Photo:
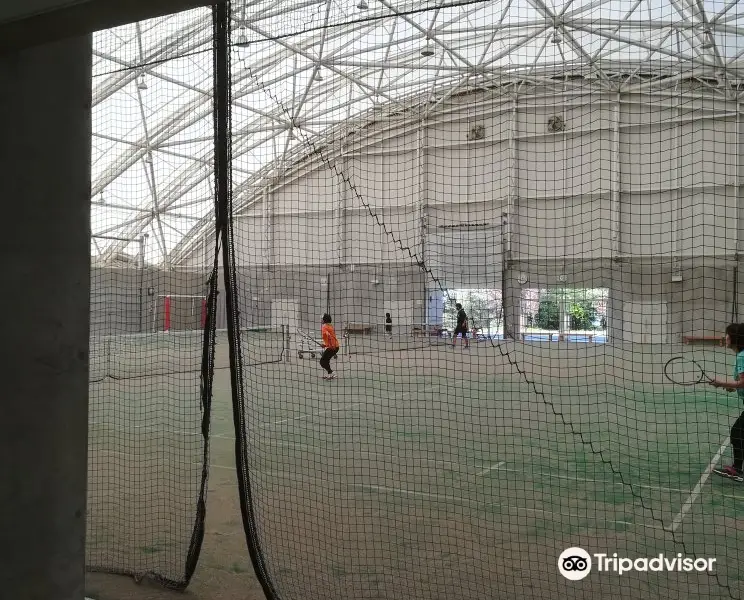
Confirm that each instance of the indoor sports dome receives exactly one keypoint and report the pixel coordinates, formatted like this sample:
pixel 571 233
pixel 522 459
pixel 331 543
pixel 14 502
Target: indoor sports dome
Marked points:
pixel 418 299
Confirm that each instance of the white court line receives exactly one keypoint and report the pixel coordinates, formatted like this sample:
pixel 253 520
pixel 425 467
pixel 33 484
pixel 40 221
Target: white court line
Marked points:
pixel 369 453
pixel 498 466
pixel 491 468
pixel 644 525
pixel 315 414
pixel 222 436
pixel 397 459
pixel 572 478
pixel 732 497
pixel 380 488
pixel 430 460
pixel 421 391
pixel 698 487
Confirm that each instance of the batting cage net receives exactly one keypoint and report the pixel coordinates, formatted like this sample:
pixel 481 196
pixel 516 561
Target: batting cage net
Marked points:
pixel 477 311
pixel 153 320
pixel 492 266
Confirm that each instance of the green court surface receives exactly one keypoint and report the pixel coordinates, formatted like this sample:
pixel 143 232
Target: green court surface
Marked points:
pixel 448 471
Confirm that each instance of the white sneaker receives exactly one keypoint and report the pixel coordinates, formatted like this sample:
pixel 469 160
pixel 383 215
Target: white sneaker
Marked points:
pixel 332 376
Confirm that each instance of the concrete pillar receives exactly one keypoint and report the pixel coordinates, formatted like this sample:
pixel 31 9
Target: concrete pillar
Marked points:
pixel 45 257
pixel 512 297
pixel 563 317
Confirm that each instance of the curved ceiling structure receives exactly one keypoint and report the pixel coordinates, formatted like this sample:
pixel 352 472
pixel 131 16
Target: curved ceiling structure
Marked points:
pixel 301 70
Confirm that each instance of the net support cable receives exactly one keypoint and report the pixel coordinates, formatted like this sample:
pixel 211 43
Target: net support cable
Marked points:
pixel 223 188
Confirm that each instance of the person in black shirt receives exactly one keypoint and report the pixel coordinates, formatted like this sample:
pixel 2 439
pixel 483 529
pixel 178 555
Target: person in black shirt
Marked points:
pixel 388 324
pixel 462 327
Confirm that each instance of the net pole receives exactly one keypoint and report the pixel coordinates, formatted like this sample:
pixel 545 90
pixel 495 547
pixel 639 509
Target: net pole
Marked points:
pixel 504 274
pixel 735 296
pixel 285 342
pixel 142 283
pixel 203 312
pixel 328 293
pixel 155 313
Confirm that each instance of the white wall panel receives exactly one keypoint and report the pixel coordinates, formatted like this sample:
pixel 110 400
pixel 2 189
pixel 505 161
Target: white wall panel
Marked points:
pixel 368 242
pixel 397 139
pixel 550 167
pixel 533 119
pixel 305 239
pixel 250 240
pixel 541 167
pixel 676 188
pixel 707 152
pixel 380 136
pixel 647 111
pixel 647 158
pixel 447 133
pixel 367 181
pixel 646 223
pixel 453 128
pixel 645 322
pixel 402 181
pixel 570 227
pixel 701 223
pixel 489 172
pixel 465 257
pixel 313 191
pixel 462 256
pixel 482 212
pixel 449 176
pixel 707 223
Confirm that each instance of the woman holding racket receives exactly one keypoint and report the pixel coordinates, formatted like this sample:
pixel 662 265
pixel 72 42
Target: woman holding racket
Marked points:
pixel 331 345
pixel 735 341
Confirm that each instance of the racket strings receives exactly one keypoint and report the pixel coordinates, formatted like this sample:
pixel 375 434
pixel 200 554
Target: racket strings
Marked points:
pixel 684 371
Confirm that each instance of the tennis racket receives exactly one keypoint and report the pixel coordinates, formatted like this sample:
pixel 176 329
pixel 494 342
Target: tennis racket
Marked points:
pixel 685 371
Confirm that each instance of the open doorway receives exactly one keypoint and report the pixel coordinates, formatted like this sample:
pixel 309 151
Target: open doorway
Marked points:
pixel 484 308
pixel 564 314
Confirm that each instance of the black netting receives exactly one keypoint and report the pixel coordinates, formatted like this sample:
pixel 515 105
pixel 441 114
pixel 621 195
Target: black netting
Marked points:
pixel 153 323
pixel 514 218
pixel 577 212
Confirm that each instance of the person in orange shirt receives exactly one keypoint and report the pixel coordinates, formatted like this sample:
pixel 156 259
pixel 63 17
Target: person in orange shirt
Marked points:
pixel 331 345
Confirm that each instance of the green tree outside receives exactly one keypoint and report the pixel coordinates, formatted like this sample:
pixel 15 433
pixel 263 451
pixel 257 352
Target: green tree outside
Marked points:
pixel 580 307
pixel 547 316
pixel 483 308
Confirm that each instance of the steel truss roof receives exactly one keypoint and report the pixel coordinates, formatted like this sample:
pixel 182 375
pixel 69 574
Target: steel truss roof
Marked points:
pixel 302 70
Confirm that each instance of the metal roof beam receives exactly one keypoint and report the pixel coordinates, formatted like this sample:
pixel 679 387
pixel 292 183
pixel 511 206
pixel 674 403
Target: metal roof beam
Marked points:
pixel 25 24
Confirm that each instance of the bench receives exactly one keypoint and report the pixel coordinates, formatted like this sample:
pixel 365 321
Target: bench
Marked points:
pixel 358 328
pixel 717 339
pixel 561 337
pixel 424 330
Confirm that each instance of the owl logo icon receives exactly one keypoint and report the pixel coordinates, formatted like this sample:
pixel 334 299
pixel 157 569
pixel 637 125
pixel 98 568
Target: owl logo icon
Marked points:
pixel 575 563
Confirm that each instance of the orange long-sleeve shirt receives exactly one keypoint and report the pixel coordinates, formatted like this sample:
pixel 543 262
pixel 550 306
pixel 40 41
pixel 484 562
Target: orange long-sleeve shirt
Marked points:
pixel 329 336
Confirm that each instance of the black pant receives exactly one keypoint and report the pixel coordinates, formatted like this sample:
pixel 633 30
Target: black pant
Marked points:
pixel 737 441
pixel 325 358
pixel 460 329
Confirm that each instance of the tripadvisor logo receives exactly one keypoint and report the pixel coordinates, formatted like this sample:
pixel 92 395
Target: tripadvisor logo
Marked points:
pixel 576 563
